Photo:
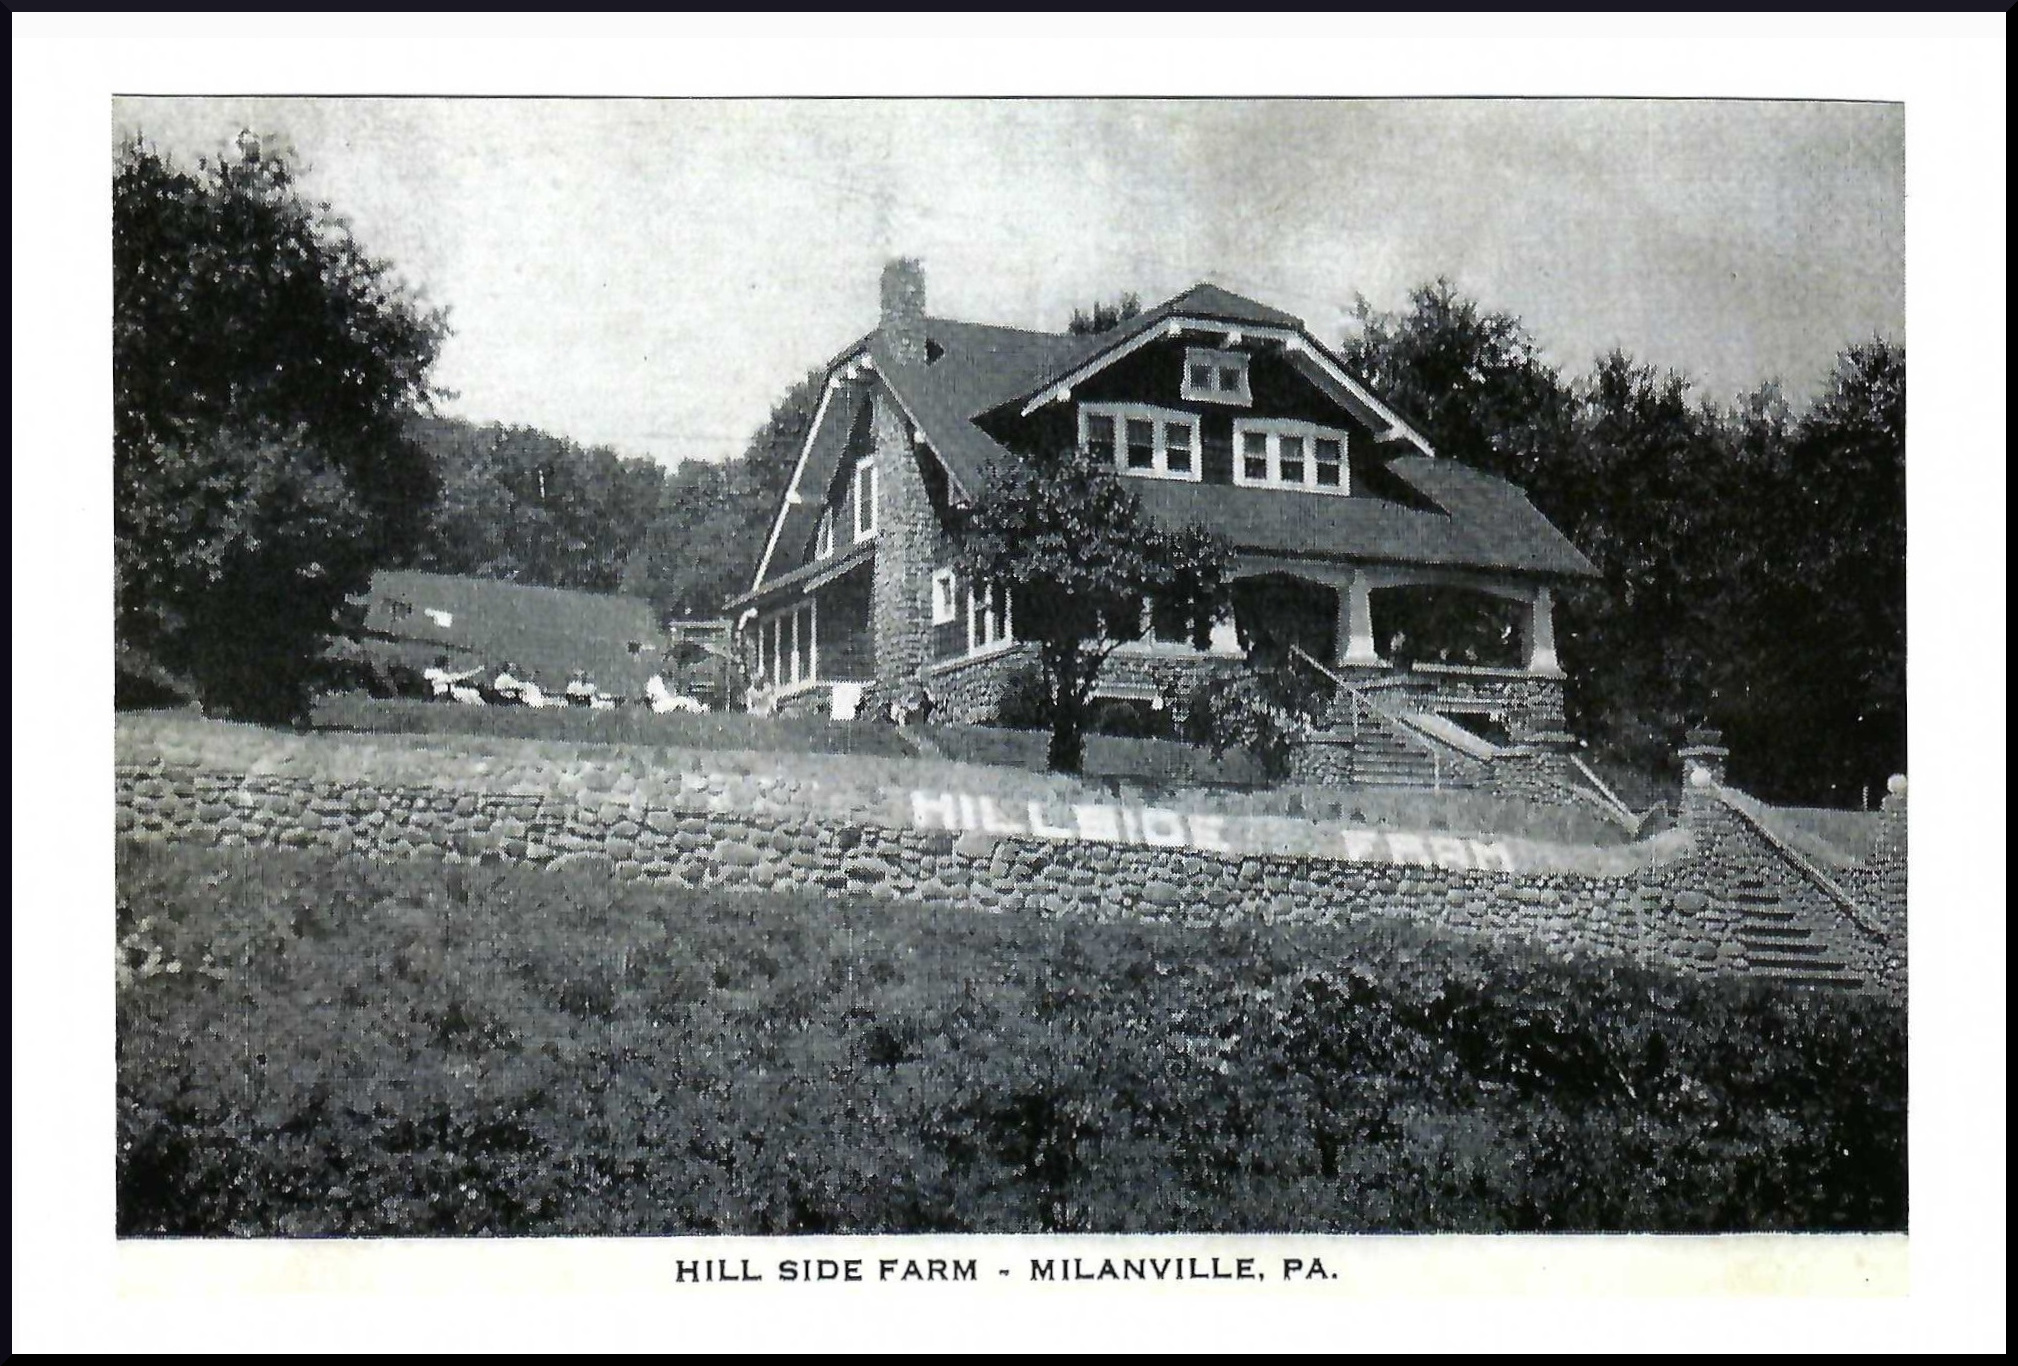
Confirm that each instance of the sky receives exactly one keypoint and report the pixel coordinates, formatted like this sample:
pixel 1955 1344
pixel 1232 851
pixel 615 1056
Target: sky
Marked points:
pixel 653 274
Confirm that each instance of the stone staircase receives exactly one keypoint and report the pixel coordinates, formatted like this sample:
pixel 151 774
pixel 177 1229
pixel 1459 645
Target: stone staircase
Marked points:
pixel 1778 946
pixel 1381 758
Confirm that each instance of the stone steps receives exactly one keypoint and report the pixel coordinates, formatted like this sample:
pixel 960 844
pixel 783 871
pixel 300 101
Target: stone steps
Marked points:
pixel 1777 932
pixel 1380 759
pixel 1778 947
pixel 1814 976
pixel 1797 962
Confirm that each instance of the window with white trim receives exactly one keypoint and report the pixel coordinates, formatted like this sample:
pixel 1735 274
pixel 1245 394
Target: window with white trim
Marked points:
pixel 823 539
pixel 944 607
pixel 1154 443
pixel 1277 453
pixel 988 619
pixel 1215 377
pixel 865 499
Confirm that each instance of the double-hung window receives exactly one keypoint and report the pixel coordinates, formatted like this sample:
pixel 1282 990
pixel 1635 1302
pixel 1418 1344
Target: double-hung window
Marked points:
pixel 1153 443
pixel 988 619
pixel 945 609
pixel 1285 454
pixel 865 499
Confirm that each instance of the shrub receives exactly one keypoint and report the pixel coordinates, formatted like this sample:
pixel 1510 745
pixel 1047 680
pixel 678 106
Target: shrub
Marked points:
pixel 1024 702
pixel 311 1044
pixel 1261 710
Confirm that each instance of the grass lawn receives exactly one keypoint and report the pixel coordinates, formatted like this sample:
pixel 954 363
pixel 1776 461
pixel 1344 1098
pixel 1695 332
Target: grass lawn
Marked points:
pixel 311 1044
pixel 624 726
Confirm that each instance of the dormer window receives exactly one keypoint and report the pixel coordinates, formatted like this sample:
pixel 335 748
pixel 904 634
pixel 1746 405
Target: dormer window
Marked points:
pixel 1153 443
pixel 1300 455
pixel 1215 377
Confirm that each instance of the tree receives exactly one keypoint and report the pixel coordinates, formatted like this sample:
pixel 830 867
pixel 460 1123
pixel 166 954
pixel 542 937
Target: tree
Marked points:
pixel 522 505
pixel 1827 617
pixel 1104 317
pixel 1751 559
pixel 1078 559
pixel 1646 490
pixel 264 367
pixel 713 520
pixel 1470 379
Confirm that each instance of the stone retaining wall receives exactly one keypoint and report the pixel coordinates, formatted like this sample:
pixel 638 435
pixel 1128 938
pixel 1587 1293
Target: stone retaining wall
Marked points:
pixel 696 832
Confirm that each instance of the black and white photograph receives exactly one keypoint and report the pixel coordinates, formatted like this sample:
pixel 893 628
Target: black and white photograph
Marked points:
pixel 793 673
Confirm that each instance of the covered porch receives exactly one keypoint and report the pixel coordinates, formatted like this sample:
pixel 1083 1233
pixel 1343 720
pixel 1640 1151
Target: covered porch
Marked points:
pixel 1330 611
pixel 805 642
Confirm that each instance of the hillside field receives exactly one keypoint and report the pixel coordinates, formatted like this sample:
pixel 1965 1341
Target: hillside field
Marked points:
pixel 548 632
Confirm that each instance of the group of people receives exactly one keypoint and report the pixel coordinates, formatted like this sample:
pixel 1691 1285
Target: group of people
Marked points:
pixel 515 687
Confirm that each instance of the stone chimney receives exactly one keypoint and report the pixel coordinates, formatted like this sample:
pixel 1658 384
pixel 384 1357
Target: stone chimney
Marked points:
pixel 904 309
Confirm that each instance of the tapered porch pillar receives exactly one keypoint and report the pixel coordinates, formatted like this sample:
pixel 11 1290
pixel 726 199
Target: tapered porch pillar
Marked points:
pixel 1353 635
pixel 1538 635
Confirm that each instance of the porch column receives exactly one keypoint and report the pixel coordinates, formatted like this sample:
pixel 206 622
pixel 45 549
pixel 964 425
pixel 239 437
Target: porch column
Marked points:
pixel 1353 635
pixel 1538 635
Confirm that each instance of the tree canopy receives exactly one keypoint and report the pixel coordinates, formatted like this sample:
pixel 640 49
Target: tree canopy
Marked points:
pixel 264 368
pixel 1751 558
pixel 713 520
pixel 1104 317
pixel 1079 558
pixel 525 506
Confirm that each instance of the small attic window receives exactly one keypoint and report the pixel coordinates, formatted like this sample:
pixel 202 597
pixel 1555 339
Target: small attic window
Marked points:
pixel 1216 376
pixel 933 351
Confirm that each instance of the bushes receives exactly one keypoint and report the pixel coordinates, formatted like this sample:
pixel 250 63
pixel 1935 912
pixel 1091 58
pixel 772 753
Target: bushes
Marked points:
pixel 1024 702
pixel 1259 710
pixel 376 1049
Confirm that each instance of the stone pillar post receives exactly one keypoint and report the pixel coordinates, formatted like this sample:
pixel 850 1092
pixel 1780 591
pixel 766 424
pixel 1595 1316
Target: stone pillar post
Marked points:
pixel 1538 634
pixel 1704 750
pixel 1703 759
pixel 1891 837
pixel 1353 635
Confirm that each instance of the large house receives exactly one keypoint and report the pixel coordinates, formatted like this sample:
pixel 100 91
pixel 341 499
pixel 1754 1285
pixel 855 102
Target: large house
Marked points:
pixel 1222 412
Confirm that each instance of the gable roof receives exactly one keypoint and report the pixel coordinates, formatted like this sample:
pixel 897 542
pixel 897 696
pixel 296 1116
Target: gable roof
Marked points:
pixel 1482 522
pixel 978 368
